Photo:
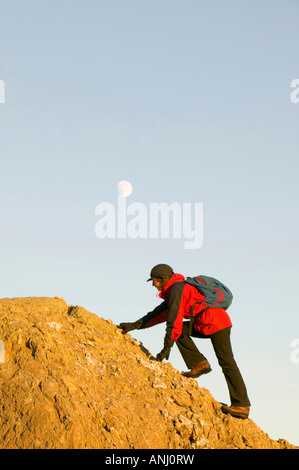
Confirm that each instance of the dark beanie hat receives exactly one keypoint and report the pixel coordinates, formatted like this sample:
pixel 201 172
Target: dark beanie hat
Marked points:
pixel 161 271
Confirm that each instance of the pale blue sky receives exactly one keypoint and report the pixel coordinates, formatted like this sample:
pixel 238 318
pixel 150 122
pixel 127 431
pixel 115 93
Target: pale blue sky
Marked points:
pixel 190 102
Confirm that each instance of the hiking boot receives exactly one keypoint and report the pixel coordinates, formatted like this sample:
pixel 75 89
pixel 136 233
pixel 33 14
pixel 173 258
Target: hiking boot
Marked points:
pixel 236 411
pixel 198 370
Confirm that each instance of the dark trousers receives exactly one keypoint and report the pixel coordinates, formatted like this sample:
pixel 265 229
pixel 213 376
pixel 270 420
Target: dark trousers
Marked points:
pixel 223 350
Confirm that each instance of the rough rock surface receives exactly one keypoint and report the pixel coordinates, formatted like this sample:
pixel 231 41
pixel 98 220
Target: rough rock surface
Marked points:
pixel 72 380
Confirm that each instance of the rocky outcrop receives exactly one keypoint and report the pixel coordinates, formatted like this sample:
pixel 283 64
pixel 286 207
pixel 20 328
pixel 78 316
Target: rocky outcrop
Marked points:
pixel 72 380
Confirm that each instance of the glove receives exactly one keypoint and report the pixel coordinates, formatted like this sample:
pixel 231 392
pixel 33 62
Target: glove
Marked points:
pixel 164 354
pixel 126 327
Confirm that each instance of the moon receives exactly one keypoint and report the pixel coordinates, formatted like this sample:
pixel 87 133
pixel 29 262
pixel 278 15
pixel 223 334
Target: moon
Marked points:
pixel 124 188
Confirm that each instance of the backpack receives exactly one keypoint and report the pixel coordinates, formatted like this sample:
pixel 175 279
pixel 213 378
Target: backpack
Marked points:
pixel 214 291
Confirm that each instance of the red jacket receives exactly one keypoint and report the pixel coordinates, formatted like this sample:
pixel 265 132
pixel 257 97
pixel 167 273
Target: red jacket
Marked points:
pixel 178 298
